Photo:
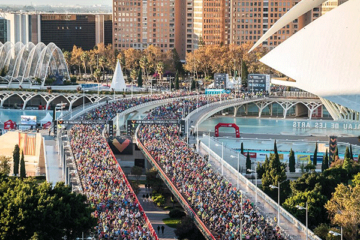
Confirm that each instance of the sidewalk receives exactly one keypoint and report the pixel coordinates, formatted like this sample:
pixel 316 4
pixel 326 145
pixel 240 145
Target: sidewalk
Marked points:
pixel 54 170
pixel 155 215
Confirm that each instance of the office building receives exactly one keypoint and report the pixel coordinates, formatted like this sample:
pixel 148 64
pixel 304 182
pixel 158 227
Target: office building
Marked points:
pixel 4 30
pixel 65 30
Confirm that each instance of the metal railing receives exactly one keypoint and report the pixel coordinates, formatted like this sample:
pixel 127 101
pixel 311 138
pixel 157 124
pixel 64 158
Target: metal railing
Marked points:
pixel 45 159
pixel 262 195
pixel 201 226
pixel 293 94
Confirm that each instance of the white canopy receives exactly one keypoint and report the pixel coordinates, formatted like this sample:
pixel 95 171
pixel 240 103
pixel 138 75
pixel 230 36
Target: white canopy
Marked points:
pixel 47 118
pixel 118 82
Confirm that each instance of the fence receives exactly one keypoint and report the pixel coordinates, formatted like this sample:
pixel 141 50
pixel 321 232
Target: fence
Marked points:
pixel 207 234
pixel 262 195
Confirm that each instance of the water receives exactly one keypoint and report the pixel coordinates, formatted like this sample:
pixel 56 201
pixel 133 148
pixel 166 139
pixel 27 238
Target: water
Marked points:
pixel 15 114
pixel 284 126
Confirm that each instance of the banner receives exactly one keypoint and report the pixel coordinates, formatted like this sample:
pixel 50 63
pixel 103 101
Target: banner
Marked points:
pixel 121 145
pixel 28 120
pixel 30 147
pixel 9 124
pixel 332 147
pixel 251 154
pixel 46 125
pixel 303 158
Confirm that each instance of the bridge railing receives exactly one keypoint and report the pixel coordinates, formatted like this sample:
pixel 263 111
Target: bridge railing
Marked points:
pixel 293 94
pixel 263 195
pixel 201 226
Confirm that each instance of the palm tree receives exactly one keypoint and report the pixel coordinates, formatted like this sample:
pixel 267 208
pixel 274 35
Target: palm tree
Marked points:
pixel 85 59
pixel 102 64
pixel 67 56
pixel 160 69
pixel 144 66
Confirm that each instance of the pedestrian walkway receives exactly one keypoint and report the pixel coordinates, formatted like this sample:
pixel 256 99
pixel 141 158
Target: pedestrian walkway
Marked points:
pixel 155 215
pixel 54 170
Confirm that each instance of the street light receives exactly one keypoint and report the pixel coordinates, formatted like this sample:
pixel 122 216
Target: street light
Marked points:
pixel 254 171
pixel 84 98
pixel 306 209
pixel 278 187
pixel 337 234
pixel 238 169
pixel 222 157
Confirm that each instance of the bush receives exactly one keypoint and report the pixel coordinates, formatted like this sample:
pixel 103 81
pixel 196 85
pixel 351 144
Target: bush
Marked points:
pixel 67 83
pixel 73 79
pixel 177 213
pixel 159 199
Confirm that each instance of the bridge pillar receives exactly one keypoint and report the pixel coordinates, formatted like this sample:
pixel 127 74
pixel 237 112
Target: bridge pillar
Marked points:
pixel 25 102
pixel 271 109
pixel 286 106
pixel 312 106
pixel 261 106
pixel 236 109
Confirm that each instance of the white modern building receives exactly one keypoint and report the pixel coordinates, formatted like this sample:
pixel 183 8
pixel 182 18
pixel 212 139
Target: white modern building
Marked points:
pixel 323 57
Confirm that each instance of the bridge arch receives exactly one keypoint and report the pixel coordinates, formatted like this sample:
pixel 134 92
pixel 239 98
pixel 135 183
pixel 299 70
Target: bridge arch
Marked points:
pixel 233 125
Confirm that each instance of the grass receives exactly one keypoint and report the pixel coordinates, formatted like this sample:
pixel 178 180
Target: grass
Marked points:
pixel 171 222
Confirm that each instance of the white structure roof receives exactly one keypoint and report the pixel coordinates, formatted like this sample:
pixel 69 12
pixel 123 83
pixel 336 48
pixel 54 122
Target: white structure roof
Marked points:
pixel 118 82
pixel 323 57
pixel 47 118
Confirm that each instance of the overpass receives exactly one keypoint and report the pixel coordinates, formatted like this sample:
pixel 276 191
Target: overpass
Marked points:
pixel 289 224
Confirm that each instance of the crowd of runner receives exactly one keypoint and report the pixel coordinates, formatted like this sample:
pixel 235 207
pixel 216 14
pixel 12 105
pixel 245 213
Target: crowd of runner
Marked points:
pixel 220 206
pixel 115 205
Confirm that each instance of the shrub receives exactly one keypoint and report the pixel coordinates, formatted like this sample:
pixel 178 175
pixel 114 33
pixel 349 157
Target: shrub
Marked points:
pixel 159 199
pixel 73 79
pixel 177 213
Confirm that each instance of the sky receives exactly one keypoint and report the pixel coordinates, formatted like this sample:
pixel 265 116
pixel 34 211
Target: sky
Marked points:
pixel 56 2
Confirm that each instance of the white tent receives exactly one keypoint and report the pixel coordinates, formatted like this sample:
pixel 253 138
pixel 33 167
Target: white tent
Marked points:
pixel 47 118
pixel 118 82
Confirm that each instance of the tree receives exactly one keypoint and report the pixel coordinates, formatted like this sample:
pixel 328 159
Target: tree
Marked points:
pixel 16 159
pixel 356 180
pixel 5 165
pixel 160 69
pixel 22 166
pixel 316 201
pixel 248 162
pixel 351 153
pixel 176 61
pixel 315 155
pixel 144 66
pixel 292 161
pixel 347 153
pixel 133 75
pixel 177 80
pixel 188 230
pixel 192 84
pixel 242 148
pixel 85 59
pixel 260 169
pixel 274 174
pixel 344 210
pixel 326 163
pixel 154 182
pixel 137 171
pixel 275 150
pixel 42 211
pixel 244 73
pixel 139 79
pixel 76 57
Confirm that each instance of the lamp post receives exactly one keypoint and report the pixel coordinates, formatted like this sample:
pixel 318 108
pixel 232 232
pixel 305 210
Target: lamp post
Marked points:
pixel 222 157
pixel 209 144
pixel 84 99
pixel 278 187
pixel 97 67
pixel 238 168
pixel 337 234
pixel 306 208
pixel 254 171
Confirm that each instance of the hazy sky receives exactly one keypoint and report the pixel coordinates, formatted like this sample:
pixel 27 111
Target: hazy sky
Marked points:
pixel 57 2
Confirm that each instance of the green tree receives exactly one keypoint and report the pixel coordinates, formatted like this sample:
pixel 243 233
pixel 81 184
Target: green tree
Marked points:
pixel 16 159
pixel 322 230
pixel 347 166
pixel 315 155
pixel 5 165
pixel 137 171
pixel 22 166
pixel 260 170
pixel 139 79
pixel 292 161
pixel 351 153
pixel 152 179
pixel 244 74
pixel 177 80
pixel 242 148
pixel 248 162
pixel 176 61
pixel 276 151
pixel 347 153
pixel 316 201
pixel 275 173
pixel 188 230
pixel 39 211
pixel 192 84
pixel 356 180
pixel 326 163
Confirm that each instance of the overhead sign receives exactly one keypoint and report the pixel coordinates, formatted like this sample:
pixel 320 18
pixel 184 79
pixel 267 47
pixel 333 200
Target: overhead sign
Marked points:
pixel 258 82
pixel 80 122
pixel 132 124
pixel 121 145
pixel 220 80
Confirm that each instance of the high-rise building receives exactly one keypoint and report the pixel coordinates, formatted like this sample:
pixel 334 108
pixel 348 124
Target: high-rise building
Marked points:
pixel 139 23
pixel 4 30
pixel 65 30
pixel 330 5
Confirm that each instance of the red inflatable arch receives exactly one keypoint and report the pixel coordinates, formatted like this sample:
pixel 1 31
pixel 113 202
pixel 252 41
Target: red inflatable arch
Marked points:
pixel 219 125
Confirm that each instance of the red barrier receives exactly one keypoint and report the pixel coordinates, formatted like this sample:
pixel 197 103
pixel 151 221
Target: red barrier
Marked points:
pixel 153 232
pixel 177 192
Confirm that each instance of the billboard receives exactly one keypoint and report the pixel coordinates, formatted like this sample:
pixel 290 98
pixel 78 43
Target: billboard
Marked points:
pixel 258 82
pixel 303 157
pixel 28 120
pixel 220 80
pixel 121 145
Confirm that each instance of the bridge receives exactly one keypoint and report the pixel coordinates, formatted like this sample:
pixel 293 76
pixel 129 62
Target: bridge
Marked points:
pixel 294 228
